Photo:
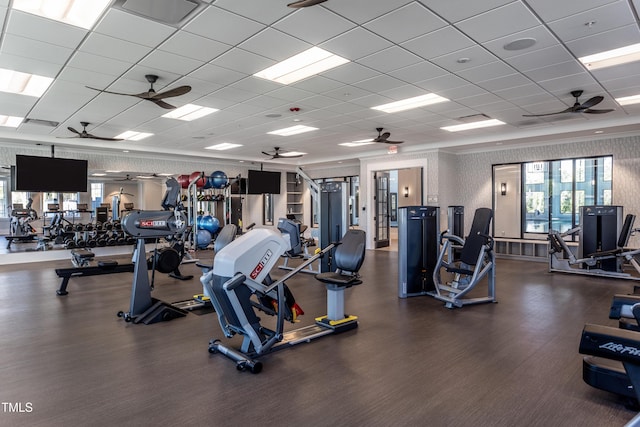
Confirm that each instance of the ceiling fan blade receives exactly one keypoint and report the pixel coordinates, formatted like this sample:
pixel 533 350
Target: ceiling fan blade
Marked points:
pixel 161 103
pixel 139 95
pixel 73 130
pixel 590 111
pixel 181 90
pixel 393 142
pixel 568 110
pixel 102 138
pixel 591 102
pixel 305 3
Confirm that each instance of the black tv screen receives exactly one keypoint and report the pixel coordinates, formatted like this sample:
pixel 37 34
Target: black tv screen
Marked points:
pixel 239 186
pixel 50 174
pixel 263 182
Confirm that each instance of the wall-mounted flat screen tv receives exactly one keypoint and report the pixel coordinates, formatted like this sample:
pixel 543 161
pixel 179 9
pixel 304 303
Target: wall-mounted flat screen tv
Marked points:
pixel 49 174
pixel 263 182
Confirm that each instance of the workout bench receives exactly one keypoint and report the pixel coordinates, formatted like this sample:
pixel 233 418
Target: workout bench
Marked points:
pixel 81 258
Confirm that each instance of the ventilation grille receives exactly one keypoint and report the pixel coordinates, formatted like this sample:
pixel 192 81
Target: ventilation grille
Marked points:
pixel 49 123
pixel 172 12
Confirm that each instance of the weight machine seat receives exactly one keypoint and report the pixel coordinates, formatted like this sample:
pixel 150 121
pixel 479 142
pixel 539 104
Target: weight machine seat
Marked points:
pixel 348 259
pixel 469 256
pixel 82 254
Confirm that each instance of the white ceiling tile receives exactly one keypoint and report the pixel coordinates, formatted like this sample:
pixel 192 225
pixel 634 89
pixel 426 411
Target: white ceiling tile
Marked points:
pixel 617 72
pixel 551 10
pixel 289 93
pixel 226 27
pixel 485 72
pixel 355 44
pixel 217 75
pixel 84 77
pixel 233 94
pixel 361 11
pixel 113 48
pixel 415 20
pixel 90 62
pixel 441 83
pixel 401 92
pixel 317 84
pixel 504 82
pixel 127 26
pixel 544 38
pixel 274 45
pixel 499 22
pixel 29 65
pixel 548 56
pixel 418 72
pixel 317 101
pixel 46 30
pixel 242 61
pixel 516 94
pixel 256 85
pixel 29 48
pixel 604 18
pixel 261 11
pixel 170 62
pixel 458 92
pixel 314 25
pixel 350 73
pixel 453 11
pixel 516 98
pixel 438 43
pixel 390 59
pixel 371 100
pixel 622 36
pixel 624 85
pixel 12 104
pixel 194 46
pixel 476 55
pixel 555 71
pixel 568 83
pixel 379 84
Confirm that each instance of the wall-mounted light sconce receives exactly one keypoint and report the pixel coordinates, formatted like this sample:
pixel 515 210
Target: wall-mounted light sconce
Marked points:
pixel 406 192
pixel 503 188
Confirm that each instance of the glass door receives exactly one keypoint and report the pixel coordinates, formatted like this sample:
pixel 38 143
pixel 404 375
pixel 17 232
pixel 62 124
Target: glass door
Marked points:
pixel 382 209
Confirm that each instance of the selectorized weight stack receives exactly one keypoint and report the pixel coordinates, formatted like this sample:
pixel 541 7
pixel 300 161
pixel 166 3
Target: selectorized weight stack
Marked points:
pixel 334 217
pixel 599 230
pixel 418 249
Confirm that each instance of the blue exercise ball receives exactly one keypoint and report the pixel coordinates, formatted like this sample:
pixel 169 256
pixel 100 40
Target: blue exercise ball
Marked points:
pixel 203 239
pixel 209 223
pixel 218 179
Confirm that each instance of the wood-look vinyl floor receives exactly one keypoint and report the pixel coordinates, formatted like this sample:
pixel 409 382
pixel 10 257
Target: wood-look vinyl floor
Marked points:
pixel 411 362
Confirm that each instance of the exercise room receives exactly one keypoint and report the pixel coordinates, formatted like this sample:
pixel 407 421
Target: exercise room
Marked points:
pixel 320 212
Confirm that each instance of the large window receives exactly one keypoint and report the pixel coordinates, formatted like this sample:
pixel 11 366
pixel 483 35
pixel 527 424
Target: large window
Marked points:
pixel 4 198
pixel 554 191
pixel 97 194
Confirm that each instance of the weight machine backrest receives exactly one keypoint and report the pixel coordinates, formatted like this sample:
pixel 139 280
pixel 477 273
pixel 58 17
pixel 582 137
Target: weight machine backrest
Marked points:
pixel 627 228
pixel 481 221
pixel 349 255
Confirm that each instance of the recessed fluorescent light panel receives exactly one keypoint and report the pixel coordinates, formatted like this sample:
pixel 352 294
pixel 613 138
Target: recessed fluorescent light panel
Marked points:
pixel 10 121
pixel 628 100
pixel 189 112
pixel 292 154
pixel 98 174
pixel 293 130
pixel 409 103
pixel 23 83
pixel 80 13
pixel 357 143
pixel 609 58
pixel 305 64
pixel 223 146
pixel 133 135
pixel 473 125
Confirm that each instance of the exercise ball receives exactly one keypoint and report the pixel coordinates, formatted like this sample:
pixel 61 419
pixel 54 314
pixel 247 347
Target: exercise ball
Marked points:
pixel 203 239
pixel 218 179
pixel 209 223
pixel 200 182
pixel 183 180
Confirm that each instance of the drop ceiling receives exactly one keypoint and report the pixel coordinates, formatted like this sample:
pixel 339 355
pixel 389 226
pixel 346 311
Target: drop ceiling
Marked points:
pixel 396 48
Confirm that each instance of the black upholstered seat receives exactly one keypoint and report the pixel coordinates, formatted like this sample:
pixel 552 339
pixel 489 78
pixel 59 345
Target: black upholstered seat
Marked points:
pixel 347 259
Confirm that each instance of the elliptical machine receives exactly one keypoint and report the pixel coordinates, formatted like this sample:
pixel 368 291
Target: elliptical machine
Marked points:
pixel 154 225
pixel 20 220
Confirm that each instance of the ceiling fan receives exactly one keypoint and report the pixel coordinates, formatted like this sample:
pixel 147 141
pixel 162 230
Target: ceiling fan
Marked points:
pixel 152 95
pixel 577 107
pixel 384 137
pixel 280 154
pixel 125 179
pixel 305 3
pixel 85 134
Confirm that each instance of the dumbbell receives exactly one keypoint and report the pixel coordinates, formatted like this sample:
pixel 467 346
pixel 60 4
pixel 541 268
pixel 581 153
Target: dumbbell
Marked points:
pixel 68 228
pixel 117 225
pixel 101 241
pixel 107 226
pixel 69 244
pixel 78 227
pixel 92 243
pixel 88 227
